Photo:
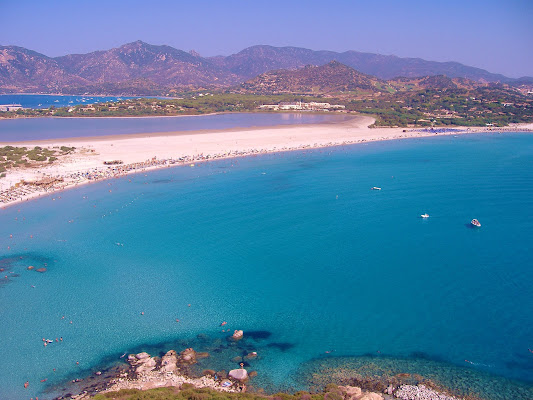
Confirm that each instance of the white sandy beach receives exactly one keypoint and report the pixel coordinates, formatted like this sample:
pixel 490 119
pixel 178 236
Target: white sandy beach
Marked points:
pixel 190 147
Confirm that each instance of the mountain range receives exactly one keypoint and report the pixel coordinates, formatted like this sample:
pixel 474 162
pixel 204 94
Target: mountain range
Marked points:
pixel 144 69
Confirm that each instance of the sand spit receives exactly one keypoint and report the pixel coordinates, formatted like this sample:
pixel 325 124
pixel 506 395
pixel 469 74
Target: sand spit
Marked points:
pixel 143 152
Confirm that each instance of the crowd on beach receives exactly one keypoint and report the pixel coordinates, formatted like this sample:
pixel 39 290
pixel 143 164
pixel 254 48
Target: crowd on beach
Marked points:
pixel 27 190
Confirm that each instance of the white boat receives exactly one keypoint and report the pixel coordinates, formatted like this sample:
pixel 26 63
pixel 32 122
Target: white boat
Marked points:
pixel 376 188
pixel 424 216
pixel 475 223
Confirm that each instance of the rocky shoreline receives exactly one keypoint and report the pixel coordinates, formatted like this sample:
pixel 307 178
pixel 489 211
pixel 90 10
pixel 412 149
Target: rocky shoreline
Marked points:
pixel 146 372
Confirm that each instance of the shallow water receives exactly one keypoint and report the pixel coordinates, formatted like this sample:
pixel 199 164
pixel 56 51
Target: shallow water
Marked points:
pixel 294 244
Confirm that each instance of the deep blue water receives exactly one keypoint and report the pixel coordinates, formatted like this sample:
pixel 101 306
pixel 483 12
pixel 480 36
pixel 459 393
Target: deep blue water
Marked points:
pixel 47 100
pixel 294 245
pixel 13 130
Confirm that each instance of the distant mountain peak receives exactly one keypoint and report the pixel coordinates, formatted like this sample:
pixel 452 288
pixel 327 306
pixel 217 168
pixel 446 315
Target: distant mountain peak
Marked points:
pixel 162 66
pixel 332 77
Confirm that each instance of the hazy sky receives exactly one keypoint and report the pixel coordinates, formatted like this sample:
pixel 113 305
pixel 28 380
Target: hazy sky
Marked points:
pixel 496 35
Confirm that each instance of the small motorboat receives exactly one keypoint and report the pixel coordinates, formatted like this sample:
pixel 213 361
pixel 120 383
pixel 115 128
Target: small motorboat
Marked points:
pixel 424 216
pixel 475 223
pixel 376 188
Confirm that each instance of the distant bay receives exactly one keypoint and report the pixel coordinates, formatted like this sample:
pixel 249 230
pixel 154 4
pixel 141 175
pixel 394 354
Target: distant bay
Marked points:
pixel 15 130
pixel 47 100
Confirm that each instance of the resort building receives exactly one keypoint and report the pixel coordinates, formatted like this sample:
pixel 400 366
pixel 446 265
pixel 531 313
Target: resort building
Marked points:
pixel 298 105
pixel 10 107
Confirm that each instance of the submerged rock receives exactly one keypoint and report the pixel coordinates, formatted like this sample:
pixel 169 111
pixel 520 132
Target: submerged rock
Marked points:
pixel 41 270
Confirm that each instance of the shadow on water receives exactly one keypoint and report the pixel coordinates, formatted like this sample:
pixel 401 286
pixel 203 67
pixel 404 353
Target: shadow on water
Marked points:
pixel 258 335
pixel 281 346
pixel 470 226
pixel 162 181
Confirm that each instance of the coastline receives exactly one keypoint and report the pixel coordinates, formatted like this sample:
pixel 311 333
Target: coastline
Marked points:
pixel 177 116
pixel 174 369
pixel 149 151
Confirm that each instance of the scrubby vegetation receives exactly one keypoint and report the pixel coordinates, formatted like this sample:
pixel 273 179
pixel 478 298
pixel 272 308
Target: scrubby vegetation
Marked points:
pixel 189 393
pixel 477 107
pixel 401 104
pixel 12 157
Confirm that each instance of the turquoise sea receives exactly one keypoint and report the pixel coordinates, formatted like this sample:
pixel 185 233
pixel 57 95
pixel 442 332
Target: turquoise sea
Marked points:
pixel 295 249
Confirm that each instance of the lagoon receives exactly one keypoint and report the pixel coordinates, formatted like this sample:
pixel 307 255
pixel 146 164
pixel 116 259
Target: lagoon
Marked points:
pixel 23 129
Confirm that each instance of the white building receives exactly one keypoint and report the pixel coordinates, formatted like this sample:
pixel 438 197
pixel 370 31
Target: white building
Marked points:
pixel 10 107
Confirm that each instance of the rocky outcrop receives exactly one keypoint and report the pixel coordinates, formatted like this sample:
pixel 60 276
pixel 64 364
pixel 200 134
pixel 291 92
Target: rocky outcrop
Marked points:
pixel 169 362
pixel 142 363
pixel 237 335
pixel 371 396
pixel 355 393
pixel 187 357
pixel 420 392
pixel 238 374
pixel 351 392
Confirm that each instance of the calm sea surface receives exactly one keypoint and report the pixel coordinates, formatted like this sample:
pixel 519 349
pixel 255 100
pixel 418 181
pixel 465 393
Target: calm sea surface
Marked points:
pixel 47 100
pixel 52 128
pixel 296 250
